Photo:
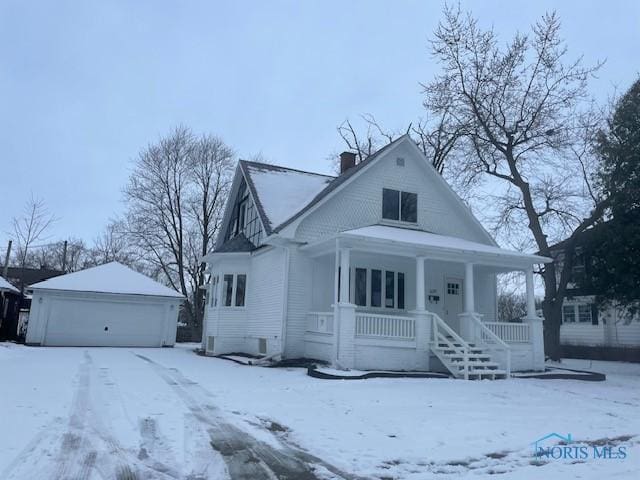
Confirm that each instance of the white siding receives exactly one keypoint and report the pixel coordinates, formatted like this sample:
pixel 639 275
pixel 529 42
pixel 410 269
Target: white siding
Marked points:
pixel 265 296
pixel 613 329
pixel 299 301
pixel 582 334
pixel 359 203
pixel 228 324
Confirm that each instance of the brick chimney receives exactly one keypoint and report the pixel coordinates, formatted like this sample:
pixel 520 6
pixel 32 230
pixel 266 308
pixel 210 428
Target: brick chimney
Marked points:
pixel 347 161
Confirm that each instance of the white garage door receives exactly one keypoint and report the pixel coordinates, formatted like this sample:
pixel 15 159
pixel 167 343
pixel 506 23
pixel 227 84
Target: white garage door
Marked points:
pixel 76 322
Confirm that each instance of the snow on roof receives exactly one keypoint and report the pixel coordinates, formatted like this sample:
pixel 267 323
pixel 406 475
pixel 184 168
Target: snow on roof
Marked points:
pixel 436 241
pixel 282 192
pixel 108 278
pixel 7 287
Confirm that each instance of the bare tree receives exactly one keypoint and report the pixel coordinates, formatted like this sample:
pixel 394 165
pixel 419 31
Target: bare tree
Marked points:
pixel 112 245
pixel 527 121
pixel 30 228
pixel 436 138
pixel 210 175
pixel 174 202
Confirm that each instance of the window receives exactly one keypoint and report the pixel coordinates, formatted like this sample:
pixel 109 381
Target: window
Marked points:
pixel 584 313
pixel 241 283
pixel 228 289
pixel 389 290
pixel 568 314
pixel 214 291
pixel 389 282
pixel 390 204
pixel 453 288
pixel 376 288
pixel 409 207
pixel 578 312
pixel 361 287
pixel 401 291
pixel 397 205
pixel 234 289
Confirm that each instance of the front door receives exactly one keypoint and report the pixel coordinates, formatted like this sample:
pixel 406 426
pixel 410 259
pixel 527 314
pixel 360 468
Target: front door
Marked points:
pixel 453 302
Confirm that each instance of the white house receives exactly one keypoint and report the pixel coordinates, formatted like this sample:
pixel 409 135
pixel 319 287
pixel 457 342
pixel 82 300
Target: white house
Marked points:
pixel 381 267
pixel 108 305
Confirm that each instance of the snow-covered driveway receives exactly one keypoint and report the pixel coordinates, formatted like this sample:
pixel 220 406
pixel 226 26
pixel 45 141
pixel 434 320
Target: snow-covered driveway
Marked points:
pixel 167 413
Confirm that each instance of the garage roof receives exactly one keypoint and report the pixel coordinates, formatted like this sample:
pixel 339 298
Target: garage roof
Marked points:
pixel 108 278
pixel 7 287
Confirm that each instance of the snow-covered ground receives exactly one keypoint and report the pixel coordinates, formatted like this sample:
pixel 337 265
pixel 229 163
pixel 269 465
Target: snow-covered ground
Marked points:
pixel 155 413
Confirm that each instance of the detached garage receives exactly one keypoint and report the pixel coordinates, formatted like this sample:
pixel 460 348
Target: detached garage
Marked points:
pixel 110 305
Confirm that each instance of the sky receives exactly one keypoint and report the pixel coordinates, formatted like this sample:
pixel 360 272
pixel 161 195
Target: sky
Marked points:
pixel 86 85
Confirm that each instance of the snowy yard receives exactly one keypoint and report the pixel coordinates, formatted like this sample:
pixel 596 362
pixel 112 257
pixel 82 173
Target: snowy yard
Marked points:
pixel 155 413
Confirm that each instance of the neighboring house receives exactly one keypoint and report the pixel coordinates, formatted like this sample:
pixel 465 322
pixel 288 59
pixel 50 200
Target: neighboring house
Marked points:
pixel 381 267
pixel 13 327
pixel 588 331
pixel 28 276
pixel 9 308
pixel 108 305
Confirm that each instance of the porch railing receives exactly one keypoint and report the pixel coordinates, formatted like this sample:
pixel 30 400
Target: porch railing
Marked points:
pixel 320 322
pixel 508 332
pixel 490 341
pixel 390 326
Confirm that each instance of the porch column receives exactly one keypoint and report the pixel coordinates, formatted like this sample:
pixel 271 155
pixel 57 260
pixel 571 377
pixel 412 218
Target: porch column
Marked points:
pixel 466 320
pixel 469 302
pixel 420 302
pixel 344 275
pixel 531 299
pixel 422 319
pixel 345 319
pixel 536 334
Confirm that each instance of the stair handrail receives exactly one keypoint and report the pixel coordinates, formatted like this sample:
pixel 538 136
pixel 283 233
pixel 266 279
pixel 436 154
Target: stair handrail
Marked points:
pixel 477 319
pixel 464 346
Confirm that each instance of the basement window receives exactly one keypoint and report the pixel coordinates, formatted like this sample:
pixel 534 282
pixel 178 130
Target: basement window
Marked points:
pixel 399 206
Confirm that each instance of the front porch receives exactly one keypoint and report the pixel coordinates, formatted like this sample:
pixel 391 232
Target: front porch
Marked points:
pixel 410 305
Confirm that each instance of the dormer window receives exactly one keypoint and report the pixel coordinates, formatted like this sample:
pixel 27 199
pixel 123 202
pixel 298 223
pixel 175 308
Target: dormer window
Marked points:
pixel 399 206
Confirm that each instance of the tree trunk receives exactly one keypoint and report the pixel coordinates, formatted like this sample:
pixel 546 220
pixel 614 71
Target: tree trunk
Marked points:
pixel 552 310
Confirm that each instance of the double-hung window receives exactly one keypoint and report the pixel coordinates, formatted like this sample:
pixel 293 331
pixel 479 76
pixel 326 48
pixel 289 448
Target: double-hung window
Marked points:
pixel 234 287
pixel 568 314
pixel 378 288
pixel 579 313
pixel 399 206
pixel 213 291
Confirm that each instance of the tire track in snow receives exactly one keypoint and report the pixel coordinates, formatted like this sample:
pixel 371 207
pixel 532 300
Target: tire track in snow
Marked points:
pixel 67 450
pixel 247 458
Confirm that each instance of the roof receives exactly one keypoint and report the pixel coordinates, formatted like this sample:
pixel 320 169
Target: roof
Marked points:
pixel 7 287
pixel 29 275
pixel 108 278
pixel 281 192
pixel 336 182
pixel 239 243
pixel 419 242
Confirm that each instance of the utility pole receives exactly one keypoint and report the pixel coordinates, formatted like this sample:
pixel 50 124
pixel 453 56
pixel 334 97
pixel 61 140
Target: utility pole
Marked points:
pixel 6 260
pixel 64 257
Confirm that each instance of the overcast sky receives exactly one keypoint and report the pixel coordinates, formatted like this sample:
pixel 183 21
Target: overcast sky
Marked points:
pixel 86 85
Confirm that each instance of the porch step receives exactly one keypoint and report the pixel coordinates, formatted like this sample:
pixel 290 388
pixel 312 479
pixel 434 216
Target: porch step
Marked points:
pixel 479 364
pixel 450 351
pixel 487 374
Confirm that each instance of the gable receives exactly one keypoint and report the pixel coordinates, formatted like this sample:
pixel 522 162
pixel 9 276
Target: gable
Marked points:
pixel 242 216
pixel 358 202
pixel 281 192
pixel 264 196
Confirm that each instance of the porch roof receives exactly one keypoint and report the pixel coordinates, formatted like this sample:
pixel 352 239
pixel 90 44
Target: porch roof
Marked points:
pixel 409 242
